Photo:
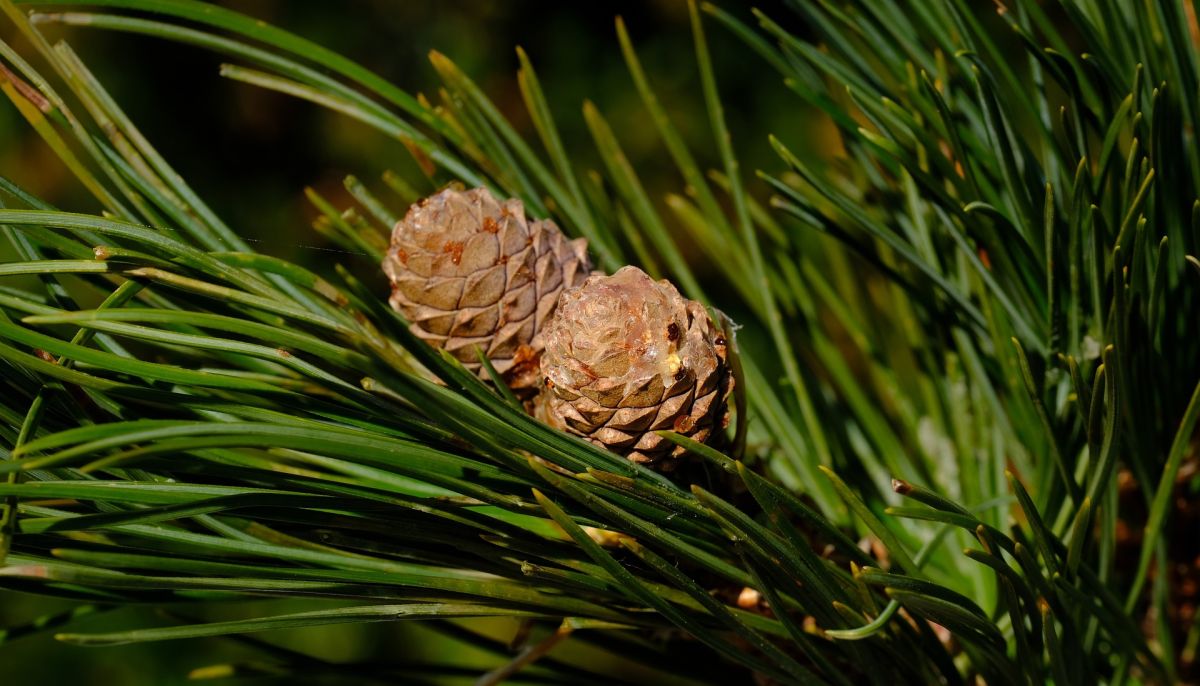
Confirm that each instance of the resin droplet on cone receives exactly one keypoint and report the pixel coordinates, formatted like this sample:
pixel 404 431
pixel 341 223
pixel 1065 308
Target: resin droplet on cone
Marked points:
pixel 470 270
pixel 626 356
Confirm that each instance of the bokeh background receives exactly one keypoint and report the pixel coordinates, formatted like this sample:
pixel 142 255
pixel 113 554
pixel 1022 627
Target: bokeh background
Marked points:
pixel 250 153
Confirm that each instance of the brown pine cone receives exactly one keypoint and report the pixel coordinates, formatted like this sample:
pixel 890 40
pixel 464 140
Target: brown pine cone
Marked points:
pixel 626 356
pixel 469 270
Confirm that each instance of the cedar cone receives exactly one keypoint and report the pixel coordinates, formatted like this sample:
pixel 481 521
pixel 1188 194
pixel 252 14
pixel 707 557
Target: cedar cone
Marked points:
pixel 469 270
pixel 626 356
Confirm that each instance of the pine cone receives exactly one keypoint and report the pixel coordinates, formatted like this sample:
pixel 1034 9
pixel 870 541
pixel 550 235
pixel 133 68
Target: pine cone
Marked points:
pixel 469 270
pixel 626 356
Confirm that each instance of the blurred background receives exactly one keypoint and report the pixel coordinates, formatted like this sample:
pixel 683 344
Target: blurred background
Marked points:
pixel 250 153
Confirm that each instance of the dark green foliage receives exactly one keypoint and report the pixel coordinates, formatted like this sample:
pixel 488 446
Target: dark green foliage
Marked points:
pixel 987 292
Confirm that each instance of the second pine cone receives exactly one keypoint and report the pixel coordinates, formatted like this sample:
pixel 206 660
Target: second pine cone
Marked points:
pixel 625 356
